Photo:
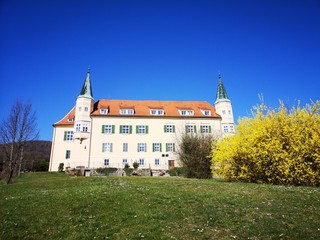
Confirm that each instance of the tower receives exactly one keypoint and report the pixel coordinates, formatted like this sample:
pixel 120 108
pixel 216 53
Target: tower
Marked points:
pixel 224 108
pixel 84 107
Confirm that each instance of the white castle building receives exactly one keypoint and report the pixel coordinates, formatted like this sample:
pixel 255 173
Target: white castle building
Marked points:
pixel 112 133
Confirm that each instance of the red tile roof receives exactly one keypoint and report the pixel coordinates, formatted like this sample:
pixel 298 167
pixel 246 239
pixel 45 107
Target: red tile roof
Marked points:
pixel 142 109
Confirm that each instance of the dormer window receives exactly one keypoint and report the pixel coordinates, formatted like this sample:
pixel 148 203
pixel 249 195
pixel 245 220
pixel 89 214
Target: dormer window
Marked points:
pixel 186 112
pixel 70 120
pixel 126 111
pixel 104 111
pixel 156 111
pixel 206 112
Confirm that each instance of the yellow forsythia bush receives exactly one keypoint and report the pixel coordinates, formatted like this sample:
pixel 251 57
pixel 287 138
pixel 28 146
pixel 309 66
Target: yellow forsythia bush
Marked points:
pixel 277 146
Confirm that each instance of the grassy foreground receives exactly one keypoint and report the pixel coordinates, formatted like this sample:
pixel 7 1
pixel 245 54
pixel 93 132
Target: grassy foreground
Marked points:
pixel 55 206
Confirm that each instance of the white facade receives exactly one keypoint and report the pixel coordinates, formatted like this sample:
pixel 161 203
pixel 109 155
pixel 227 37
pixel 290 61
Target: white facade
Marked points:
pixel 111 133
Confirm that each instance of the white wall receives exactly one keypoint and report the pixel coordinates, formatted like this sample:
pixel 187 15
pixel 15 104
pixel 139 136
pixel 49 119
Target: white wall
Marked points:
pixel 80 152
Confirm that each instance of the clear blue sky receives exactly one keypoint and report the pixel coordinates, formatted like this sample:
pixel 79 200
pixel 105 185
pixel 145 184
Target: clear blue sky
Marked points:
pixel 161 50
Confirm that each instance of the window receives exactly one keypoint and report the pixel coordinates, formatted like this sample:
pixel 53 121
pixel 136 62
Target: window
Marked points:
pixel 206 112
pixel 141 129
pixel 68 153
pixel 156 147
pixel 231 128
pixel 85 127
pixel 78 127
pixel 229 111
pixel 125 147
pixel 225 128
pixel 223 111
pixel 125 111
pixel 142 147
pixel 205 129
pixel 70 120
pixel 86 109
pixel 68 136
pixel 125 129
pixel 107 129
pixel 169 128
pixel 157 162
pixel 191 129
pixel 106 162
pixel 79 109
pixel 106 147
pixel 82 127
pixel 104 111
pixel 124 161
pixel 186 112
pixel 141 162
pixel 156 111
pixel 170 147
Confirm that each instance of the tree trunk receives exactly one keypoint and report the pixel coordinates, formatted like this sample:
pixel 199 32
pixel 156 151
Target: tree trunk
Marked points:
pixel 11 173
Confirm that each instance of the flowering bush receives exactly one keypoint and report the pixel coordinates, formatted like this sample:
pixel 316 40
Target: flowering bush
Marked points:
pixel 277 146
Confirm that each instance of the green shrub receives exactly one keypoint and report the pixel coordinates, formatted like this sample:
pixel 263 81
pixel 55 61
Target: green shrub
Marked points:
pixel 175 171
pixel 128 171
pixel 106 171
pixel 60 168
pixel 277 146
pixel 42 166
pixel 194 155
pixel 135 165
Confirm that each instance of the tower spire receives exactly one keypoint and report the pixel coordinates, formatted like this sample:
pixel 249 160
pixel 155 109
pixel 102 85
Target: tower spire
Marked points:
pixel 221 92
pixel 86 90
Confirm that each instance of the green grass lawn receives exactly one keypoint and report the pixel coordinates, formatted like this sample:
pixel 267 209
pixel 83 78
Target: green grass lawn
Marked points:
pixel 56 206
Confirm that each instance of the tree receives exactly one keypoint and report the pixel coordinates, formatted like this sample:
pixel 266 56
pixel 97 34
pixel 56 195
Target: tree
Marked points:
pixel 19 127
pixel 278 146
pixel 194 155
pixel 135 165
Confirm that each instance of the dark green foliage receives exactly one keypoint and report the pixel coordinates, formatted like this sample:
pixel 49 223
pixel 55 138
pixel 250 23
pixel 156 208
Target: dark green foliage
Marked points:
pixel 35 154
pixel 194 151
pixel 106 171
pixel 41 166
pixel 128 171
pixel 175 171
pixel 60 168
pixel 135 165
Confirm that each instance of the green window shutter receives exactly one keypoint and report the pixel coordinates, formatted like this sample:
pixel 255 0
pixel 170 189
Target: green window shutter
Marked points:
pixel 65 135
pixel 113 128
pixel 186 129
pixel 120 131
pixel 68 154
pixel 166 147
pixel 195 128
pixel 209 129
pixel 201 129
pixel 174 128
pixel 152 147
pixel 102 129
pixel 111 147
pixel 174 147
pixel 130 129
pixel 137 129
pixel 160 147
pixel 147 129
pixel 165 128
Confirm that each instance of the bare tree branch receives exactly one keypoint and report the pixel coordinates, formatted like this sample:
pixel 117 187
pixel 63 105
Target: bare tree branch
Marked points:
pixel 19 127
